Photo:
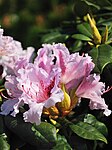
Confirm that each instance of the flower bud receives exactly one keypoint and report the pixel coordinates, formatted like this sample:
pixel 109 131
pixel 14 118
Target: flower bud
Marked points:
pixel 96 34
pixel 64 106
pixel 105 35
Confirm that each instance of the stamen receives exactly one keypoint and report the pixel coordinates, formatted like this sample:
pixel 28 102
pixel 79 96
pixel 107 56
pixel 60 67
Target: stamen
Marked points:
pixel 108 89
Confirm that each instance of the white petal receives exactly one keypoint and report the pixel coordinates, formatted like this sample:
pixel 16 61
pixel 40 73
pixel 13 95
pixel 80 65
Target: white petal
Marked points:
pixel 33 115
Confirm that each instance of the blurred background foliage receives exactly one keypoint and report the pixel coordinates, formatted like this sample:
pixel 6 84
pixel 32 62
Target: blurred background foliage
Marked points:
pixel 33 22
pixel 28 20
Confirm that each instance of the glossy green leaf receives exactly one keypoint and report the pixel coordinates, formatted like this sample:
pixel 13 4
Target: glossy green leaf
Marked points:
pixel 62 144
pixel 101 56
pixel 85 29
pixel 87 131
pixel 46 131
pixel 81 37
pixel 40 136
pixel 101 127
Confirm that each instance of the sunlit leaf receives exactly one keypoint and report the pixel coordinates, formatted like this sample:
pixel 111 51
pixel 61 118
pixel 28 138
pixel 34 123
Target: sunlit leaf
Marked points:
pixel 101 127
pixel 3 142
pixel 62 144
pixel 87 131
pixel 3 137
pixel 45 131
pixel 81 37
pixel 85 29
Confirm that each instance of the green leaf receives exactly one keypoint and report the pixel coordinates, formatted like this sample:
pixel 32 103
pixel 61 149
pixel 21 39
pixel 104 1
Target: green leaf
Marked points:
pixel 101 56
pixel 101 127
pixel 87 131
pixel 3 138
pixel 91 4
pixel 81 37
pixel 40 136
pixel 3 142
pixel 54 37
pixel 62 144
pixel 46 132
pixel 85 29
pixel 76 46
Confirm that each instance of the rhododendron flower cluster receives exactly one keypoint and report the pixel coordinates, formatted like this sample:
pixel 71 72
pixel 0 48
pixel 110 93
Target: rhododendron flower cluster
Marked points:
pixel 10 52
pixel 56 80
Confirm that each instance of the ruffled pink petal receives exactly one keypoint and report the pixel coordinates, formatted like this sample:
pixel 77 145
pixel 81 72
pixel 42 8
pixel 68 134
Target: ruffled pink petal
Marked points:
pixel 77 67
pixel 16 107
pixel 57 94
pixel 91 86
pixel 28 54
pixel 49 56
pixel 92 89
pixel 11 86
pixel 33 115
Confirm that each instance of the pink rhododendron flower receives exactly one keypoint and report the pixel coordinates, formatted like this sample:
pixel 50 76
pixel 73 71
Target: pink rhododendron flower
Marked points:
pixel 56 77
pixel 36 88
pixel 10 52
pixel 75 73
